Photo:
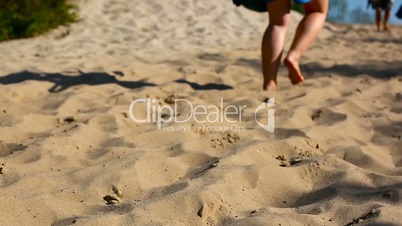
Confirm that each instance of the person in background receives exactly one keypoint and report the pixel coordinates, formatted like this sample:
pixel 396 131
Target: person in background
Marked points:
pixel 399 13
pixel 379 6
pixel 274 38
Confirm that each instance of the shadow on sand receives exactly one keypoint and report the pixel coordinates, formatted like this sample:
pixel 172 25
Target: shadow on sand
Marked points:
pixel 208 86
pixel 373 69
pixel 63 82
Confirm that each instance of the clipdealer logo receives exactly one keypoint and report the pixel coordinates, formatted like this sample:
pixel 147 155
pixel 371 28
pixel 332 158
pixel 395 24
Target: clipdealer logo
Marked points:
pixel 231 115
pixel 270 126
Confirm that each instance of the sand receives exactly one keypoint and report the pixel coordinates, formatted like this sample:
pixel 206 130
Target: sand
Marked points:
pixel 70 154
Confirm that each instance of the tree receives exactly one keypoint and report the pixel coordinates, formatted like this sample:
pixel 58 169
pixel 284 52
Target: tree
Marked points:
pixel 360 16
pixel 338 10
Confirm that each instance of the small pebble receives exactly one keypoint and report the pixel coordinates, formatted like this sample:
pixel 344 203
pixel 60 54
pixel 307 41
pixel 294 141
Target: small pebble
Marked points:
pixel 170 99
pixel 110 200
pixel 69 119
pixel 295 161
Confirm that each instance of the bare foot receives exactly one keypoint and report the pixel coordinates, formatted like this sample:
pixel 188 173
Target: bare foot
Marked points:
pixel 270 87
pixel 295 75
pixel 386 27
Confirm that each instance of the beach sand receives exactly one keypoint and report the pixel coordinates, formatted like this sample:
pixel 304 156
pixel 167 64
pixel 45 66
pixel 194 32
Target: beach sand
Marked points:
pixel 70 154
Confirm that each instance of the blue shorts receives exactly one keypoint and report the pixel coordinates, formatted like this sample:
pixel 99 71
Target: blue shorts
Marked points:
pixel 296 1
pixel 382 4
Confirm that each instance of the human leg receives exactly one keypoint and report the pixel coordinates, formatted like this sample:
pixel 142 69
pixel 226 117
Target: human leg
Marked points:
pixel 387 13
pixel 306 32
pixel 273 41
pixel 378 18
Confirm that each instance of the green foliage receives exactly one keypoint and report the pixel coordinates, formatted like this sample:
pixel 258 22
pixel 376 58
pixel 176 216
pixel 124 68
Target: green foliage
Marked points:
pixel 27 18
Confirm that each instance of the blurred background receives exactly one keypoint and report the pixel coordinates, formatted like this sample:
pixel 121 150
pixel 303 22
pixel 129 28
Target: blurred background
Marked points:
pixel 27 18
pixel 356 11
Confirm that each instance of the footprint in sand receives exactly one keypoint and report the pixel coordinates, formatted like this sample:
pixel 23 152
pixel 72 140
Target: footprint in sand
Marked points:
pixel 8 178
pixel 210 208
pixel 106 123
pixel 283 133
pixel 387 134
pixel 212 57
pixel 10 148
